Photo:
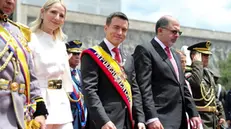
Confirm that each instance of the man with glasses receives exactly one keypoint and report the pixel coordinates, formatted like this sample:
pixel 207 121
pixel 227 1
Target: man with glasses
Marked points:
pixel 79 110
pixel 159 74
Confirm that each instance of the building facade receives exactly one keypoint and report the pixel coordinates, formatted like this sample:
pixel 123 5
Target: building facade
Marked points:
pixel 88 27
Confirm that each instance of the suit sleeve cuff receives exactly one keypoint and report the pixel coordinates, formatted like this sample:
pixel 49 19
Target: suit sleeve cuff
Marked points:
pixel 151 120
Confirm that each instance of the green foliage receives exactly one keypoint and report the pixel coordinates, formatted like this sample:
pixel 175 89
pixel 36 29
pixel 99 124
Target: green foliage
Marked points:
pixel 225 70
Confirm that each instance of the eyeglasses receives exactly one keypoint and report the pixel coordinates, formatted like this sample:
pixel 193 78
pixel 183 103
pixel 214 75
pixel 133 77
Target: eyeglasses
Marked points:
pixel 173 31
pixel 76 54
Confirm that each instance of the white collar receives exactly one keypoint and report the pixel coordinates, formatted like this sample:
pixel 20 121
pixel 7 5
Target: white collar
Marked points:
pixel 73 69
pixel 109 44
pixel 161 44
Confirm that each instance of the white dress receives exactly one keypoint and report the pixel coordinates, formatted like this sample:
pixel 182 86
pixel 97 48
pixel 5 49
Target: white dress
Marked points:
pixel 51 62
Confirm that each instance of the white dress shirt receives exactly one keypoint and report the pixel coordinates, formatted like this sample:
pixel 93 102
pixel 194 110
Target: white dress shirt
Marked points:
pixel 110 46
pixel 51 62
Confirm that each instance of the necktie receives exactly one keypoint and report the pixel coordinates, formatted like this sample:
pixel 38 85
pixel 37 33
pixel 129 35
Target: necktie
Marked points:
pixel 75 76
pixel 167 49
pixel 168 52
pixel 73 72
pixel 117 54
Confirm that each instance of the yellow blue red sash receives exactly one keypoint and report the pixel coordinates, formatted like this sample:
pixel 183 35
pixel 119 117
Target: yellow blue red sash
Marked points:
pixel 19 52
pixel 114 73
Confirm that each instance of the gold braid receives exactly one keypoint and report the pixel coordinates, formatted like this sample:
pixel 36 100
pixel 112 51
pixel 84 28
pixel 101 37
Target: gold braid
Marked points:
pixel 5 49
pixel 16 67
pixel 74 101
pixel 203 93
pixel 205 96
pixel 7 61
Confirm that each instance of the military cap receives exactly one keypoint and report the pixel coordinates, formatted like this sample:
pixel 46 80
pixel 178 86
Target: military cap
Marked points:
pixel 74 46
pixel 202 47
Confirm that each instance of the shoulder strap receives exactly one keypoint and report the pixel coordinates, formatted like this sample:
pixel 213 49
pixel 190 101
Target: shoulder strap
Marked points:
pixel 24 29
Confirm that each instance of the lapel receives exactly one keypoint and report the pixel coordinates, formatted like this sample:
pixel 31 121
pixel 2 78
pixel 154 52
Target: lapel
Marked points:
pixel 163 55
pixel 105 48
pixel 123 56
pixel 208 76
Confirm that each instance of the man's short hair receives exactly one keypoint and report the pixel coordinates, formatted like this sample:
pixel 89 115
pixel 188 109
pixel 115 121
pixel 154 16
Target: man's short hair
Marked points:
pixel 162 22
pixel 116 14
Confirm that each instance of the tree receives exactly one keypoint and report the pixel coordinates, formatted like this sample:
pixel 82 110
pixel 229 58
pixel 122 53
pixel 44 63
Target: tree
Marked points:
pixel 225 71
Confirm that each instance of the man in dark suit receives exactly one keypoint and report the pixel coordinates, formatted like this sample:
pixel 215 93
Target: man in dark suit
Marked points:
pixel 137 110
pixel 159 74
pixel 106 90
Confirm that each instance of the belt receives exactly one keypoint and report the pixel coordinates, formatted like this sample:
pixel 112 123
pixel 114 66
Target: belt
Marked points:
pixel 13 86
pixel 206 109
pixel 54 84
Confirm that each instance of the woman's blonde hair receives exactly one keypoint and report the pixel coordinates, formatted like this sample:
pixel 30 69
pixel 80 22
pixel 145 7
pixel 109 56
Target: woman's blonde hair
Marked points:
pixel 35 25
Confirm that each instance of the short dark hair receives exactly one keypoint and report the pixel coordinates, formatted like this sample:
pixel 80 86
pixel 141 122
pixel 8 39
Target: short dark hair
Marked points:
pixel 116 14
pixel 162 22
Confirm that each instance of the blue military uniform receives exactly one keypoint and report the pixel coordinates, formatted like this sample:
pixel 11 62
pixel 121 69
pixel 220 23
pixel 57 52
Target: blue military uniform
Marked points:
pixel 78 107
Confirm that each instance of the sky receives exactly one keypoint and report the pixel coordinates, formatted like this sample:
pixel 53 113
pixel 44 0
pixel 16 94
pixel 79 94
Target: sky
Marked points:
pixel 213 15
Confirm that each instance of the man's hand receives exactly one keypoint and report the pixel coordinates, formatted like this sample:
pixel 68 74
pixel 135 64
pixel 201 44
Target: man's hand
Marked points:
pixel 197 57
pixel 221 121
pixel 109 125
pixel 155 125
pixel 141 126
pixel 196 121
pixel 42 121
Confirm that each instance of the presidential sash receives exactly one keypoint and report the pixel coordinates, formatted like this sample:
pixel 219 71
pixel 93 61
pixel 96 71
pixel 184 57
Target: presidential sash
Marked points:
pixel 115 74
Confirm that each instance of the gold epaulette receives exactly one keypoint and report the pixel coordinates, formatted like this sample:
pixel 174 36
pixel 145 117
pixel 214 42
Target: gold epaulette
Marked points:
pixel 24 29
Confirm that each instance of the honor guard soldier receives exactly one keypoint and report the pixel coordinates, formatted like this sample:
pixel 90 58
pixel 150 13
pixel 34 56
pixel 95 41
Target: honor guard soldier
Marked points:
pixel 78 107
pixel 203 86
pixel 18 85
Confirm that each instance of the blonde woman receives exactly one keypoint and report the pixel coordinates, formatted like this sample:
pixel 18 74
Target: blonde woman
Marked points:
pixel 51 63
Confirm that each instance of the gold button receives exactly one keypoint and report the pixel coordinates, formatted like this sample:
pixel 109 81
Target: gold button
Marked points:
pixel 14 86
pixel 50 83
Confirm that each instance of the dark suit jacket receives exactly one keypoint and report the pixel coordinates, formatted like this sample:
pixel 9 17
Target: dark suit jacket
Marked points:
pixel 137 110
pixel 103 101
pixel 164 97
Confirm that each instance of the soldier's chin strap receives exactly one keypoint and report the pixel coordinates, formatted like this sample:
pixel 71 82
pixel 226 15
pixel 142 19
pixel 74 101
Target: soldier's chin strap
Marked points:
pixel 3 16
